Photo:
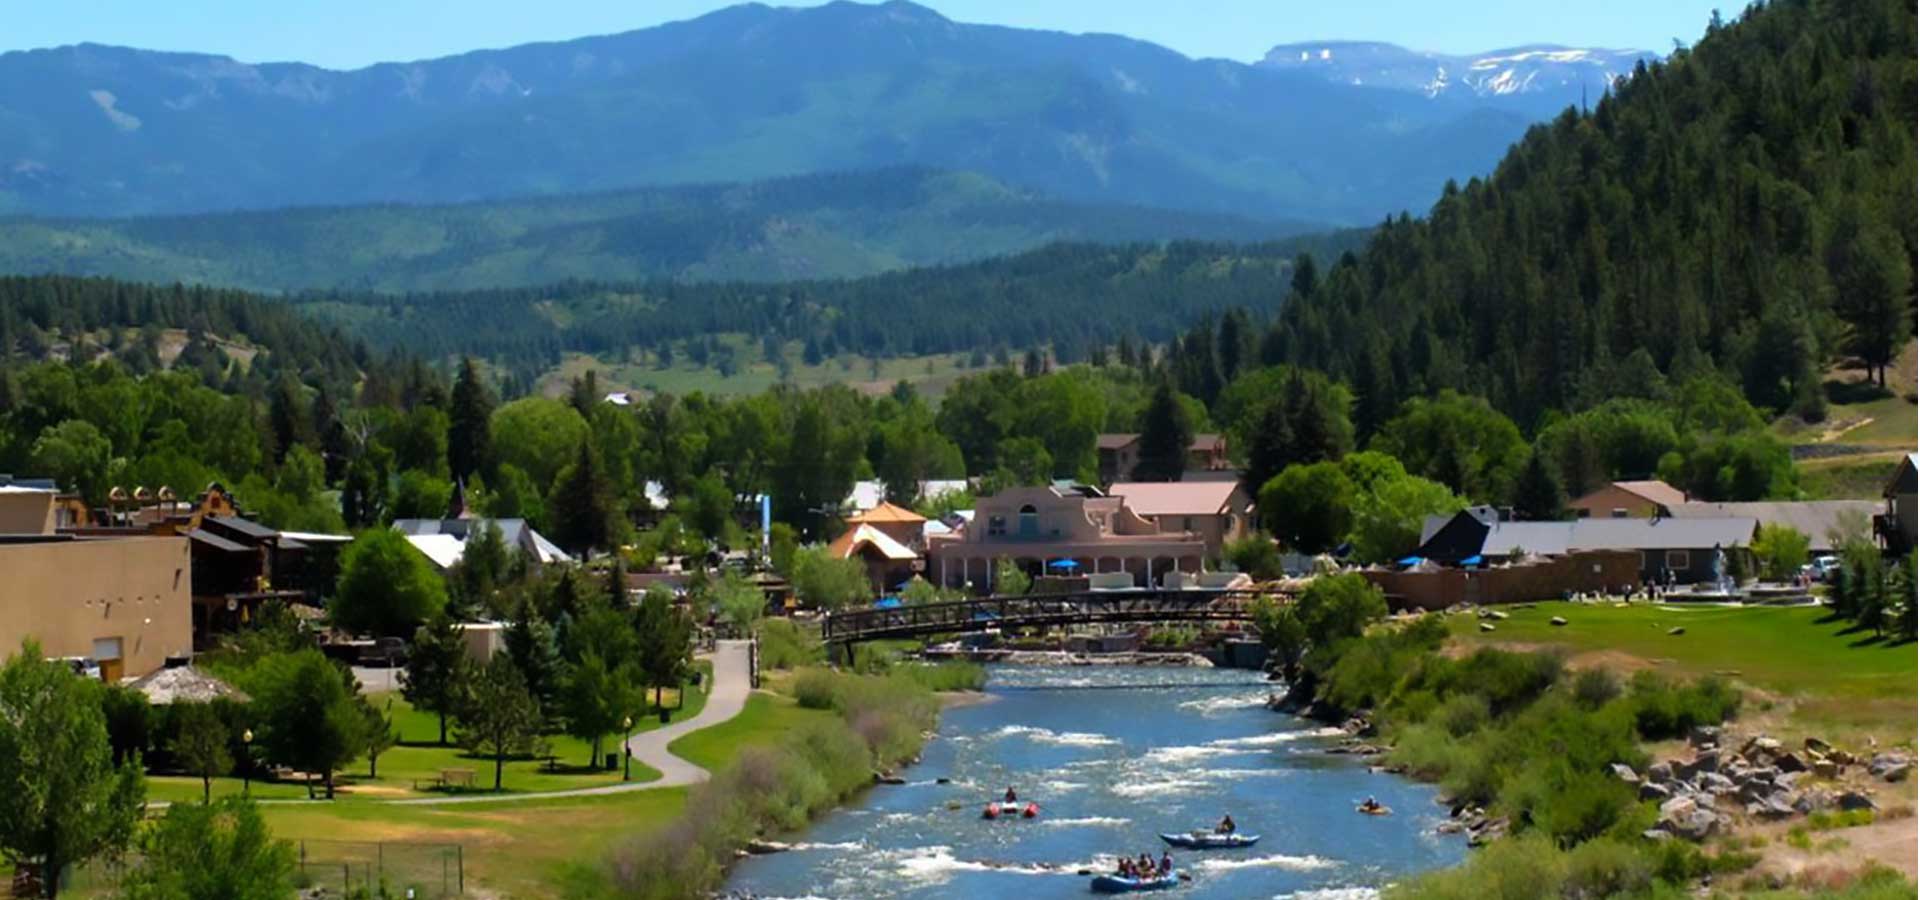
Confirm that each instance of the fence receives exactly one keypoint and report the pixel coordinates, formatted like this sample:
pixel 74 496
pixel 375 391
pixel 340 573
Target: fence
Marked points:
pixel 404 868
pixel 331 869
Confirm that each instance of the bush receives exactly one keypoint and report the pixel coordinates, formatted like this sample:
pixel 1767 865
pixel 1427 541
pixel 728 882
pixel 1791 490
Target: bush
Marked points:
pixel 1517 869
pixel 946 676
pixel 1606 867
pixel 1662 710
pixel 814 688
pixel 1463 714
pixel 785 645
pixel 1594 688
pixel 1256 554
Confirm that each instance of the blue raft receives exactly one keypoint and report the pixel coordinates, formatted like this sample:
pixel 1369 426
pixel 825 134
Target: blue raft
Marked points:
pixel 1115 884
pixel 1207 840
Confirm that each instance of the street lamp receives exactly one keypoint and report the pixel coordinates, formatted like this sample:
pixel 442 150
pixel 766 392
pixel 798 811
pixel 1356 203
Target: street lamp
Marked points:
pixel 626 748
pixel 246 765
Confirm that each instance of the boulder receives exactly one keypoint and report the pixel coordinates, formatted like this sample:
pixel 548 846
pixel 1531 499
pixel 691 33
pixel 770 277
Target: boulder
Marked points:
pixel 761 847
pixel 1498 614
pixel 1695 825
pixel 1650 790
pixel 1890 766
pixel 1816 745
pixel 1789 762
pixel 1557 620
pixel 1449 827
pixel 1776 806
pixel 1852 800
pixel 1625 773
pixel 1705 761
pixel 1704 736
pixel 1787 781
pixel 1813 801
pixel 1676 631
pixel 1763 743
pixel 1841 758
pixel 1717 784
pixel 1826 768
pixel 1486 626
pixel 1660 771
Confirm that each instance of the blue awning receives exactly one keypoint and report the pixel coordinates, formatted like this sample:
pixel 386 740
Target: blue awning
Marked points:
pixel 1473 560
pixel 887 603
pixel 1063 564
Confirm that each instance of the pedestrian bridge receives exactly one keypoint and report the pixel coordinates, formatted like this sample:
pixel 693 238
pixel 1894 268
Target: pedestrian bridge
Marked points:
pixel 1040 611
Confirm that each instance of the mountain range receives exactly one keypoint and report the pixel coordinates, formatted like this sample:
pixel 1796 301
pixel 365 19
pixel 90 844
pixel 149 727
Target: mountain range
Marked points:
pixel 835 225
pixel 742 94
pixel 1537 79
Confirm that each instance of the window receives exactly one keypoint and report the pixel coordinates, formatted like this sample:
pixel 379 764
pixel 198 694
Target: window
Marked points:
pixel 1029 521
pixel 1186 524
pixel 1679 560
pixel 996 526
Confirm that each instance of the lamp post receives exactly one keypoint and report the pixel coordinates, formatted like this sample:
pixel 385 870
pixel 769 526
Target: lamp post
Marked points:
pixel 246 765
pixel 626 749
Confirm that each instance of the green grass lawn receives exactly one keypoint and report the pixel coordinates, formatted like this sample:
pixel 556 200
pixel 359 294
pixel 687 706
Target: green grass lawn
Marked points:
pixel 406 770
pixel 1826 675
pixel 1860 476
pixel 766 719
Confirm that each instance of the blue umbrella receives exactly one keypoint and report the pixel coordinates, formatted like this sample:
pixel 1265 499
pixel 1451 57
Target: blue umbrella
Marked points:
pixel 1412 561
pixel 1063 564
pixel 1473 560
pixel 887 603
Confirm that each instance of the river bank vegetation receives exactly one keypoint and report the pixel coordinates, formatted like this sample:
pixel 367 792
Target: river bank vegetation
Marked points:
pixel 1518 734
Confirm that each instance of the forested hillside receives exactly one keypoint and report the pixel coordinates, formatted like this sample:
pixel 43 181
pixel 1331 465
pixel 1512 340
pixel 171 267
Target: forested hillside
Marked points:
pixel 810 226
pixel 1746 207
pixel 1073 297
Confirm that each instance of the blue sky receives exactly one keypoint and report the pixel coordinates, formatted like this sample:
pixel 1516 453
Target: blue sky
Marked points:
pixel 350 33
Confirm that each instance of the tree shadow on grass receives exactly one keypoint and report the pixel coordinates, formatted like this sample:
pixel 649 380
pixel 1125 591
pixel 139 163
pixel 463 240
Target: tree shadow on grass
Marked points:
pixel 1871 640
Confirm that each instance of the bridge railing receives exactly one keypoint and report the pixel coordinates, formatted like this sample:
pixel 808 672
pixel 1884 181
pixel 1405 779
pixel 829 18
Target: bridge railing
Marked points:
pixel 1036 610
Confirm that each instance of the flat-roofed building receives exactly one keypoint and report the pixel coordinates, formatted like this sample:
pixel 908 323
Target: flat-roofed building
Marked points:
pixel 1061 528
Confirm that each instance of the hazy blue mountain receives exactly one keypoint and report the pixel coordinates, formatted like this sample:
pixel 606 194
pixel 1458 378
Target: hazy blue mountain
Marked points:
pixel 812 226
pixel 745 93
pixel 1537 80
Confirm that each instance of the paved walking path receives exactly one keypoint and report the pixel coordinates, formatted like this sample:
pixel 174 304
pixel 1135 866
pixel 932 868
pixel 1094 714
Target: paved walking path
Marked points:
pixel 732 682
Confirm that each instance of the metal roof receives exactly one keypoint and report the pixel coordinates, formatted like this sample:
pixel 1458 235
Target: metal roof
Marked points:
pixel 1175 498
pixel 1813 518
pixel 1661 534
pixel 215 541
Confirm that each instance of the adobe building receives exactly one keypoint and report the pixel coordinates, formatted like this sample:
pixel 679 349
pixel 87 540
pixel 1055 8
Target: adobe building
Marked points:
pixel 1074 526
pixel 122 600
pixel 1217 511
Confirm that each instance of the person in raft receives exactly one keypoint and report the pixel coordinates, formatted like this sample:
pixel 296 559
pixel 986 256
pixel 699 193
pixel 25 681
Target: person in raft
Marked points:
pixel 1371 805
pixel 1226 825
pixel 1166 864
pixel 1010 796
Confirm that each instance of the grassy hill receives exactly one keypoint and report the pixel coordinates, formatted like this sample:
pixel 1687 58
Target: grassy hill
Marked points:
pixel 815 226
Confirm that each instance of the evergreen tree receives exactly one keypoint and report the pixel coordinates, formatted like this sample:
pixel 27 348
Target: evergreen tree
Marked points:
pixel 1537 494
pixel 437 670
pixel 469 431
pixel 582 508
pixel 502 716
pixel 1166 434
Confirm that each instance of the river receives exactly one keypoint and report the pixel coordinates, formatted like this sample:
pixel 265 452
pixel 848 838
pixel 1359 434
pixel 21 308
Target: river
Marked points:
pixel 1114 756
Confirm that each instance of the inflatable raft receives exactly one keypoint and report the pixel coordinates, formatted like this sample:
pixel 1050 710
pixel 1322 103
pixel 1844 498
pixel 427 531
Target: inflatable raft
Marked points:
pixel 1207 840
pixel 1117 884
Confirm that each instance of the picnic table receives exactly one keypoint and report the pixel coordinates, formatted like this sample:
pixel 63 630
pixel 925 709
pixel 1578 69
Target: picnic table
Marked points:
pixel 450 778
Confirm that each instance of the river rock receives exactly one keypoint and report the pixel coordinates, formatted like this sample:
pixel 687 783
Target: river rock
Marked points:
pixel 883 778
pixel 1625 773
pixel 1789 762
pixel 762 847
pixel 1653 790
pixel 1704 736
pixel 1450 826
pixel 1717 784
pixel 1676 631
pixel 1660 771
pixel 1816 745
pixel 1557 620
pixel 1685 818
pixel 1890 766
pixel 1813 801
pixel 1852 800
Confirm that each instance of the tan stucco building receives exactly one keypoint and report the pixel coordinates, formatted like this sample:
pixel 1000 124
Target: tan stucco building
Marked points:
pixel 124 601
pixel 1034 527
pixel 1216 511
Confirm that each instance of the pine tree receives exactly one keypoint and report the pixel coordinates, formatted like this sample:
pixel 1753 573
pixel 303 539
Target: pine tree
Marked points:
pixel 1166 434
pixel 1537 494
pixel 582 509
pixel 469 432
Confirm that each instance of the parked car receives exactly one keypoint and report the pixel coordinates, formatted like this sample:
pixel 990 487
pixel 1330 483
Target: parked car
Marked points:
pixel 386 652
pixel 83 667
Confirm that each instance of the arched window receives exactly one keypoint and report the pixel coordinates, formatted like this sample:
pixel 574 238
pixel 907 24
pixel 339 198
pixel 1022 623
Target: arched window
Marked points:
pixel 1029 521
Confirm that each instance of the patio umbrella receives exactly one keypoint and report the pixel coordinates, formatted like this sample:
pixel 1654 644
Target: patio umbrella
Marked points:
pixel 887 603
pixel 1063 564
pixel 1473 560
pixel 1411 561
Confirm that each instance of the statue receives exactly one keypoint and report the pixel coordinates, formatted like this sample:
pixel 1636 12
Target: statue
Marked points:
pixel 1720 579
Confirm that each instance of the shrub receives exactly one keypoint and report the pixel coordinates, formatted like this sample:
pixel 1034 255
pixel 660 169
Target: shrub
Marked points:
pixel 1594 688
pixel 946 676
pixel 785 645
pixel 1463 714
pixel 1517 869
pixel 1606 867
pixel 1663 710
pixel 814 688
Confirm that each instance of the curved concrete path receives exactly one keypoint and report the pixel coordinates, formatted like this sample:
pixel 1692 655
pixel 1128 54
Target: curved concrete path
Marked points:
pixel 732 682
